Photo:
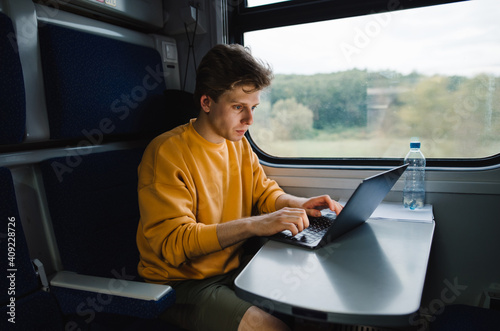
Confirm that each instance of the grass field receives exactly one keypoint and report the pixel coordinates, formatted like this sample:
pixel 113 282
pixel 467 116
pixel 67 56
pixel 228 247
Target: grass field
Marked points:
pixel 372 146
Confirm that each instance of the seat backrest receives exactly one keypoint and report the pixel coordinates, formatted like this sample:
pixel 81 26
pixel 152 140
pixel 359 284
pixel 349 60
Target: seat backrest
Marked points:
pixel 97 86
pixel 94 212
pixel 12 95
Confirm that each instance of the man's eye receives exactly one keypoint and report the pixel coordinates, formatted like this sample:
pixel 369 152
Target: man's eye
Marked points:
pixel 237 107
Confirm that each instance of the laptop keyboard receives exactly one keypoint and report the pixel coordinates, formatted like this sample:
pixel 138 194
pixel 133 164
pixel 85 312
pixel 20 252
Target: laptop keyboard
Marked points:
pixel 317 228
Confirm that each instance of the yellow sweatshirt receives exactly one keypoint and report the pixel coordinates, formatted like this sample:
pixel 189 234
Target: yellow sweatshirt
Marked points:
pixel 188 185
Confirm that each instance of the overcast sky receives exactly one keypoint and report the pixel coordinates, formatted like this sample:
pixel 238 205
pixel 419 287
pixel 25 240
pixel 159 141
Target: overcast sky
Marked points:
pixel 453 39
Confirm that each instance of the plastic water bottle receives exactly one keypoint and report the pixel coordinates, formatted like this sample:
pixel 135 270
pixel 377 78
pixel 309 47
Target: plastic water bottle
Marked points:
pixel 414 189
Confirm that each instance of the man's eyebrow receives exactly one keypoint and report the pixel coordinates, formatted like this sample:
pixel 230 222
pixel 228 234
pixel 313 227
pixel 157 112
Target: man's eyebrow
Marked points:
pixel 243 103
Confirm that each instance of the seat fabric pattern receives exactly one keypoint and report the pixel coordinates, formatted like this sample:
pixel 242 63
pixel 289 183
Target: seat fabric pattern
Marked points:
pixel 97 86
pixel 94 212
pixel 12 91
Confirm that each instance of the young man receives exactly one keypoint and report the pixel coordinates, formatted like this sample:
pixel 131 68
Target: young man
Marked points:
pixel 199 185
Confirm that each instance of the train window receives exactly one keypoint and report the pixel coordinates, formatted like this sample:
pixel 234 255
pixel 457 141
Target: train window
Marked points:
pixel 362 86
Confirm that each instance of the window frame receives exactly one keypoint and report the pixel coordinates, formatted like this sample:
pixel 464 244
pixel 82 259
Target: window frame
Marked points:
pixel 243 19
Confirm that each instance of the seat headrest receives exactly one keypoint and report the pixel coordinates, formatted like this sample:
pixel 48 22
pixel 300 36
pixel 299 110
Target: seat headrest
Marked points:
pixel 100 85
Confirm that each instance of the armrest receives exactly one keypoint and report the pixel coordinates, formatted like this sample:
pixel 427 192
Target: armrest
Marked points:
pixel 75 292
pixel 112 286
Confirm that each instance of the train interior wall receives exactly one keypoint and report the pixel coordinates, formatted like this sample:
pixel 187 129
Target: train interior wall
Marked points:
pixel 464 254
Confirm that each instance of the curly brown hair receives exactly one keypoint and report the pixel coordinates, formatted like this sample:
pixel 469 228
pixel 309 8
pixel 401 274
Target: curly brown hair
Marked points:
pixel 225 67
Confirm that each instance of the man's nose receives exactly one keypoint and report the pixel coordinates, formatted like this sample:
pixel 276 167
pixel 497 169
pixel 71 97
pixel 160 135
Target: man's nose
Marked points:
pixel 248 118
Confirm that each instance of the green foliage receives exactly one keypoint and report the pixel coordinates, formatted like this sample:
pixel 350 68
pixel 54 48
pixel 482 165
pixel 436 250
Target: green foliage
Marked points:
pixel 285 120
pixel 291 120
pixel 453 115
pixel 336 100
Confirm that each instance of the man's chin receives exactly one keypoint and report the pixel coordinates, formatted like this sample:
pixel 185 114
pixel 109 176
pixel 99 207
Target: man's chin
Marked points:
pixel 235 138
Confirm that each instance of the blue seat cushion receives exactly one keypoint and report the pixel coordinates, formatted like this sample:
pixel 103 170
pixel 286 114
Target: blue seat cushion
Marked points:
pixel 12 96
pixel 37 311
pixel 81 302
pixel 94 211
pixel 464 317
pixel 100 85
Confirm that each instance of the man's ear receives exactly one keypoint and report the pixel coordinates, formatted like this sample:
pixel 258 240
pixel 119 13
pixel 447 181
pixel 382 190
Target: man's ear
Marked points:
pixel 205 103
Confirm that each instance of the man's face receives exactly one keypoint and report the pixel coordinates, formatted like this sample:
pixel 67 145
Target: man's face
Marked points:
pixel 230 117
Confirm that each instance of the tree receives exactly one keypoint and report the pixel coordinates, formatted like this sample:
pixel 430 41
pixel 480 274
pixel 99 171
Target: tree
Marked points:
pixel 336 99
pixel 291 120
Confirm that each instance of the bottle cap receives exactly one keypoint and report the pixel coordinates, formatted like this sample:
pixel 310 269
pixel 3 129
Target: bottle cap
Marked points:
pixel 415 144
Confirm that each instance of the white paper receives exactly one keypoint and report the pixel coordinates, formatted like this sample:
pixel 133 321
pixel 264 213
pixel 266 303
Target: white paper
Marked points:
pixel 395 210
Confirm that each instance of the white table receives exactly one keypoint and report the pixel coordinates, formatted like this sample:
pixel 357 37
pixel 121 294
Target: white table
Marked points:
pixel 373 275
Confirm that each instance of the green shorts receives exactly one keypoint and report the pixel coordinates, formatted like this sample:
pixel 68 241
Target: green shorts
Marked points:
pixel 208 304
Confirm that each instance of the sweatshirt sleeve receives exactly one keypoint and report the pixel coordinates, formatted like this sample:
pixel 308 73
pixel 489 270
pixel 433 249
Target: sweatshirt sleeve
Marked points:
pixel 166 206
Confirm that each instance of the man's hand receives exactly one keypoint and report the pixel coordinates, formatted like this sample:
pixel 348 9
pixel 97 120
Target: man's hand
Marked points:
pixel 293 219
pixel 291 215
pixel 312 206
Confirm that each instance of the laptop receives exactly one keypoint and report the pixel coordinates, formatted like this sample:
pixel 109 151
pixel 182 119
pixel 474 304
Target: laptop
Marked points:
pixel 360 206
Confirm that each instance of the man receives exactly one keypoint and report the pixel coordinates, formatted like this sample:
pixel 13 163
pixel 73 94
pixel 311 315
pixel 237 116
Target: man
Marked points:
pixel 199 185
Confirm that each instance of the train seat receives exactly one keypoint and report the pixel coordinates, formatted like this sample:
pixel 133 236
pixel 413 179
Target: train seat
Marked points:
pixel 100 91
pixel 94 213
pixel 463 317
pixel 26 303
